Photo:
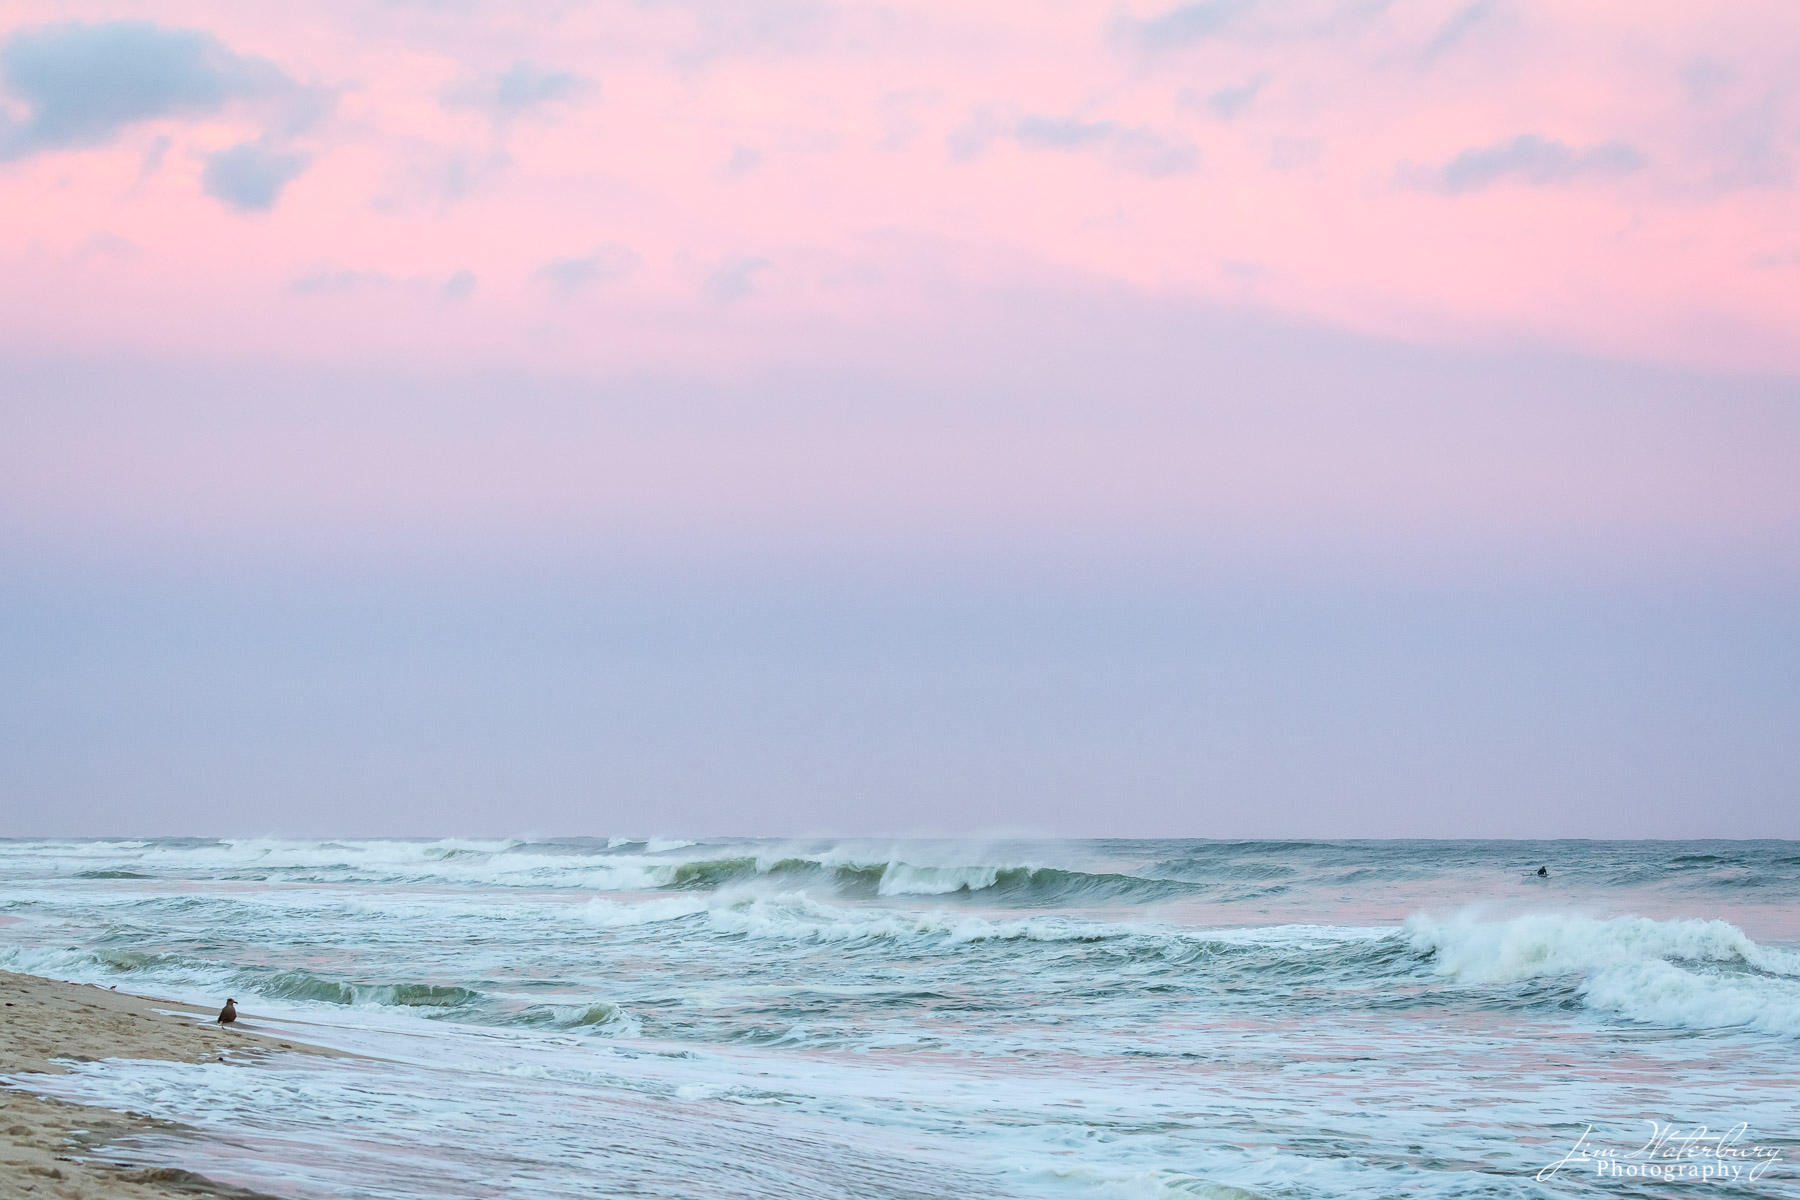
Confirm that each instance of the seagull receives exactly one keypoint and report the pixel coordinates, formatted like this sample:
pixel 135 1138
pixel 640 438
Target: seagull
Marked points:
pixel 228 1014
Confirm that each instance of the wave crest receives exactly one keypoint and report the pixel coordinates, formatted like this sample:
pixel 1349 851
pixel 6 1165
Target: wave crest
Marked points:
pixel 1551 944
pixel 1686 974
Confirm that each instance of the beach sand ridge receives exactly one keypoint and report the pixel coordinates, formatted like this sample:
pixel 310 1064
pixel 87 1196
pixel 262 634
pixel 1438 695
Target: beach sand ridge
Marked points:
pixel 52 1148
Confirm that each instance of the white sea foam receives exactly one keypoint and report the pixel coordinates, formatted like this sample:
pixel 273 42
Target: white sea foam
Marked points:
pixel 1661 993
pixel 1687 974
pixel 1101 1183
pixel 891 1019
pixel 794 915
pixel 604 1018
pixel 1542 944
pixel 615 914
pixel 902 879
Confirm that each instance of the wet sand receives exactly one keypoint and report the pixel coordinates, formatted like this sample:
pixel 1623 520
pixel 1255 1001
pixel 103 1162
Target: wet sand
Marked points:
pixel 50 1148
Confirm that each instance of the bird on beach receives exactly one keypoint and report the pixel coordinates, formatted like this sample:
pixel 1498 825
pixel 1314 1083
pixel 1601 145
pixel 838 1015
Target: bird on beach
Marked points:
pixel 228 1014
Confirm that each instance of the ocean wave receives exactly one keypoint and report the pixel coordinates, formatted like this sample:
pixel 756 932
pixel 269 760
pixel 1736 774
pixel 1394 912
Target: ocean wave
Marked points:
pixel 630 865
pixel 1685 973
pixel 614 914
pixel 303 985
pixel 1298 950
pixel 1036 885
pixel 796 916
pixel 601 1018
pixel 1222 870
pixel 1000 883
pixel 186 972
pixel 1103 1183
pixel 82 966
pixel 1552 944
pixel 1662 993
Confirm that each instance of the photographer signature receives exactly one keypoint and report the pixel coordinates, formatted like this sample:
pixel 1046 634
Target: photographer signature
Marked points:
pixel 1674 1153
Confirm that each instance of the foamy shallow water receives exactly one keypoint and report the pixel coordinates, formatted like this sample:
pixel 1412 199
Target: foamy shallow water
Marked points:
pixel 937 1019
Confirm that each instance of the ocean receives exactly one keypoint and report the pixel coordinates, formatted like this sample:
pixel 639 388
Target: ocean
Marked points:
pixel 927 1020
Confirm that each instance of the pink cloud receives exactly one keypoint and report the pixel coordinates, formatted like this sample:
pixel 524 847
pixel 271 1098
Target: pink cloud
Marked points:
pixel 1602 177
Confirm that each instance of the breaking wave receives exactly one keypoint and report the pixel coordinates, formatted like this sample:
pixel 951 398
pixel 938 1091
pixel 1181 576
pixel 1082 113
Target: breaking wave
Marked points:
pixel 302 985
pixel 1021 885
pixel 633 865
pixel 189 972
pixel 608 1019
pixel 1687 974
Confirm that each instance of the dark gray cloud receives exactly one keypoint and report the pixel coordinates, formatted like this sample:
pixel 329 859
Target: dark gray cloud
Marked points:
pixel 1184 25
pixel 607 262
pixel 82 84
pixel 249 177
pixel 518 91
pixel 1528 159
pixel 1131 148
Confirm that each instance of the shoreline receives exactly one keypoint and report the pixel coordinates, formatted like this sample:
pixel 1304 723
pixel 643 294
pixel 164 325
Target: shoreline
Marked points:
pixel 56 1148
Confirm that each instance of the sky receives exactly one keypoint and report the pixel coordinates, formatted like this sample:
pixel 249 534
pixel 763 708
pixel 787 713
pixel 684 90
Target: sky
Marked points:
pixel 1231 419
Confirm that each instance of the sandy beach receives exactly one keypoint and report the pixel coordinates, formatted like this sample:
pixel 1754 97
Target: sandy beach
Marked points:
pixel 49 1148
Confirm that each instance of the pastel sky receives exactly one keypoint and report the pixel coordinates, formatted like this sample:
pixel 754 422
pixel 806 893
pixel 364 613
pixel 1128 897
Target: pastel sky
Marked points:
pixel 1392 407
pixel 608 184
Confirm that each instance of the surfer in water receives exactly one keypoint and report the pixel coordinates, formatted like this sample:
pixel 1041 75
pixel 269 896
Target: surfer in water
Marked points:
pixel 1543 872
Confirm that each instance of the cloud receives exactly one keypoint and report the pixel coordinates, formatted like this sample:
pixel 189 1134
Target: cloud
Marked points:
pixel 756 28
pixel 898 113
pixel 109 245
pixel 975 136
pixel 459 287
pixel 326 283
pixel 743 160
pixel 1184 25
pixel 249 177
pixel 1528 159
pixel 1751 146
pixel 1777 260
pixel 82 84
pixel 1059 133
pixel 1135 149
pixel 735 278
pixel 518 91
pixel 153 158
pixel 607 262
pixel 1227 102
pixel 1460 25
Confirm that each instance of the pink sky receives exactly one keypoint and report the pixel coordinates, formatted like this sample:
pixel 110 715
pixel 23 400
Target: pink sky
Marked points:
pixel 1242 417
pixel 697 185
pixel 1064 279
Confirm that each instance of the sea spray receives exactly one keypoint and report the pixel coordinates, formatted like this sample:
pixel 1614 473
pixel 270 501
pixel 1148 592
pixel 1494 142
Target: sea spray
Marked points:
pixel 930 1020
